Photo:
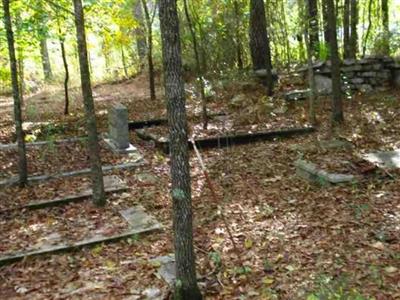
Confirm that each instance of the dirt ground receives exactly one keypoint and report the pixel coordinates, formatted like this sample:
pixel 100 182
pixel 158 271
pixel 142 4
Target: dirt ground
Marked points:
pixel 294 239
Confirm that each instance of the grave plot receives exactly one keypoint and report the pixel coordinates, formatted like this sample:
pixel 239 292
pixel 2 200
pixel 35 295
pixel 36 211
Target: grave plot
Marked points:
pixel 226 140
pixel 61 160
pixel 61 195
pixel 71 227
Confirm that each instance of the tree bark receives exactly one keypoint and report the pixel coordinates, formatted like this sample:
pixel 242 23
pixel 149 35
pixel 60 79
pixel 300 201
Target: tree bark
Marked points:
pixel 239 54
pixel 259 41
pixel 346 29
pixel 385 25
pixel 199 71
pixel 99 197
pixel 66 78
pixel 22 162
pixel 186 285
pixel 337 109
pixel 44 52
pixel 325 20
pixel 149 25
pixel 368 28
pixel 354 29
pixel 141 43
pixel 312 9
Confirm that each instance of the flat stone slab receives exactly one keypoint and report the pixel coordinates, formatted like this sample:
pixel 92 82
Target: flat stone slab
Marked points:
pixel 112 184
pixel 55 245
pixel 167 268
pixel 310 172
pixel 137 162
pixel 137 217
pixel 386 160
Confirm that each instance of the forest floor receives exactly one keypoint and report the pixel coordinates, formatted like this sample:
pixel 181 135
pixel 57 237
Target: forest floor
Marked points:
pixel 295 239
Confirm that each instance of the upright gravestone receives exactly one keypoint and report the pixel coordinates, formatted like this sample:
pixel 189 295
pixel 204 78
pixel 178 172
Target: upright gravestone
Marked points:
pixel 118 130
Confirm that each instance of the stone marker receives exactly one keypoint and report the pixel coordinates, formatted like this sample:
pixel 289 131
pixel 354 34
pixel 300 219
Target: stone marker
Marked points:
pixel 138 218
pixel 167 268
pixel 386 160
pixel 310 172
pixel 118 130
pixel 323 84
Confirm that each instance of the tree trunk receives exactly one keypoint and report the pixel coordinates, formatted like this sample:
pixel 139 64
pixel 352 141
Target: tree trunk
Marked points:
pixel 44 52
pixel 368 28
pixel 141 43
pixel 198 66
pixel 93 143
pixel 66 78
pixel 124 62
pixel 346 29
pixel 149 25
pixel 259 41
pixel 354 29
pixel 22 162
pixel 337 109
pixel 238 41
pixel 325 20
pixel 312 9
pixel 385 25
pixel 186 285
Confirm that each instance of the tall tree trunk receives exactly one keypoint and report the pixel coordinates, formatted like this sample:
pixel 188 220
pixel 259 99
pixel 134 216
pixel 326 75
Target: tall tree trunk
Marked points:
pixel 186 285
pixel 199 71
pixel 140 34
pixel 66 78
pixel 337 109
pixel 124 62
pixel 21 75
pixel 385 25
pixel 149 28
pixel 346 29
pixel 312 9
pixel 99 197
pixel 22 162
pixel 239 47
pixel 325 20
pixel 366 37
pixel 259 41
pixel 354 29
pixel 44 52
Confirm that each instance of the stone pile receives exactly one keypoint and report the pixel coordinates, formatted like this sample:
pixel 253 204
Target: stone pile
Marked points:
pixel 365 75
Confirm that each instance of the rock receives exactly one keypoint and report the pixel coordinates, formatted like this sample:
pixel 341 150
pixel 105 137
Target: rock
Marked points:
pixel 262 74
pixel 357 80
pixel 365 88
pixel 353 68
pixel 297 95
pixel 147 178
pixel 368 74
pixel 349 61
pixel 323 84
pixel 396 78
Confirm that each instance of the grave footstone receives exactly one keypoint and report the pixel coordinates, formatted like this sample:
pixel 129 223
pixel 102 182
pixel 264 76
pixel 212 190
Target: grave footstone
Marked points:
pixel 118 126
pixel 387 160
pixel 167 269
pixel 310 172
